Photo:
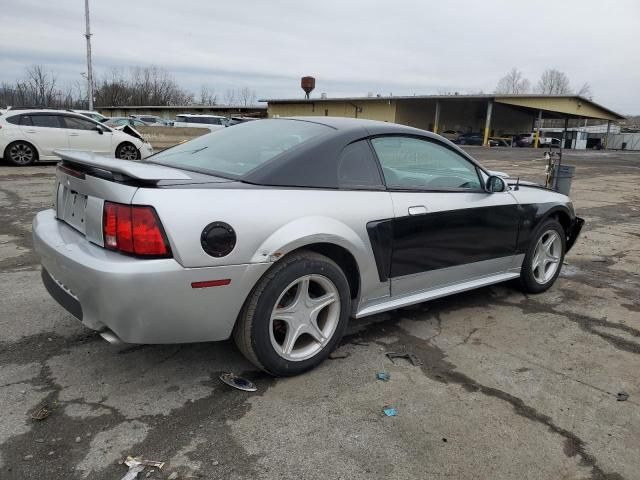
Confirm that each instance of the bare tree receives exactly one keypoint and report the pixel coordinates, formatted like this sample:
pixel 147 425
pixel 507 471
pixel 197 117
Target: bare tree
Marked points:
pixel 554 82
pixel 230 97
pixel 513 83
pixel 585 91
pixel 247 96
pixel 207 97
pixel 140 86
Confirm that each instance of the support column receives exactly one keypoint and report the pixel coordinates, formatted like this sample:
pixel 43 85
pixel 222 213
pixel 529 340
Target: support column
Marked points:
pixel 487 125
pixel 606 139
pixel 436 120
pixel 564 131
pixel 536 141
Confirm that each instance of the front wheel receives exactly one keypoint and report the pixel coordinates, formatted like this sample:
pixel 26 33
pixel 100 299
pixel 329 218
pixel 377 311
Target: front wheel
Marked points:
pixel 296 314
pixel 127 151
pixel 544 257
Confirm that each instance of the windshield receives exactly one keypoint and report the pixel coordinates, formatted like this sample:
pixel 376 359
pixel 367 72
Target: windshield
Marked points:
pixel 233 152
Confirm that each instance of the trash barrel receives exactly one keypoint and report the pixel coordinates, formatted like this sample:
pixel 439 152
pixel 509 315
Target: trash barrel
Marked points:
pixel 564 175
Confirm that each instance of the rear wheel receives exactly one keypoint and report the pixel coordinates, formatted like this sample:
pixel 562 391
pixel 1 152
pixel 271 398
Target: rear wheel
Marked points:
pixel 21 154
pixel 544 257
pixel 296 314
pixel 127 151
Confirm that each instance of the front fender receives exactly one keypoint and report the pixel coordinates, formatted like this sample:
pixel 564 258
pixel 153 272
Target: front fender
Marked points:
pixel 309 230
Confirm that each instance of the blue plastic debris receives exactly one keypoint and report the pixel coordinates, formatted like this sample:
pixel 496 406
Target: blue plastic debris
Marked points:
pixel 384 376
pixel 390 411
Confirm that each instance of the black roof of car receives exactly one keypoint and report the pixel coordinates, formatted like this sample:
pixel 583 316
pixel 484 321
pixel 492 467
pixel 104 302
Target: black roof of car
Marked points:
pixel 315 163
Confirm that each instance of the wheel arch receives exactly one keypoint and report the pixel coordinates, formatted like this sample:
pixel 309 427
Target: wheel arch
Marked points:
pixel 560 213
pixel 33 145
pixel 323 235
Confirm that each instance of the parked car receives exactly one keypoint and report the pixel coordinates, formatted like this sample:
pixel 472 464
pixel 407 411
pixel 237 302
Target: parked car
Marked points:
pixel 154 120
pixel 528 140
pixel 122 121
pixel 451 135
pixel 97 116
pixel 27 136
pixel 238 120
pixel 212 122
pixel 277 232
pixel 470 139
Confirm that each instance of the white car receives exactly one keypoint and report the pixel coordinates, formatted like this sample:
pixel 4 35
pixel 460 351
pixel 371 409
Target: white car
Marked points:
pixel 27 136
pixel 97 116
pixel 212 122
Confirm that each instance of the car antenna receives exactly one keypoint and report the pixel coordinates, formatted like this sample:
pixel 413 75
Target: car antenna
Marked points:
pixel 517 187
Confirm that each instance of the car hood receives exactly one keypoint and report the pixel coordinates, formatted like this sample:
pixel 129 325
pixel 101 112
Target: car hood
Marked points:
pixel 129 130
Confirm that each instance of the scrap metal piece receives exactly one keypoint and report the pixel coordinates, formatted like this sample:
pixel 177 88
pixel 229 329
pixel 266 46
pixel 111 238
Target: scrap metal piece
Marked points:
pixel 137 465
pixel 238 382
pixel 41 413
pixel 622 396
pixel 412 357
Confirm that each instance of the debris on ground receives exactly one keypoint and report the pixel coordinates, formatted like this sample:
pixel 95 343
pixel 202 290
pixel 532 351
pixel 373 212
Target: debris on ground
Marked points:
pixel 173 476
pixel 338 355
pixel 622 396
pixel 412 357
pixel 238 382
pixel 41 413
pixel 137 465
pixel 390 411
pixel 384 376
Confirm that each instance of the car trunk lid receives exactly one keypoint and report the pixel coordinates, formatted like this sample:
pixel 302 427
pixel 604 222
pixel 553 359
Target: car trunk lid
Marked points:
pixel 84 181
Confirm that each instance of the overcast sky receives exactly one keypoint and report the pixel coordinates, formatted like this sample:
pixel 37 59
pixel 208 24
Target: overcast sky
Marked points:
pixel 351 47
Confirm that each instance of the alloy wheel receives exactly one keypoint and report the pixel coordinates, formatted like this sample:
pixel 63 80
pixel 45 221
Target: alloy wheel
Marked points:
pixel 546 257
pixel 21 154
pixel 128 152
pixel 305 317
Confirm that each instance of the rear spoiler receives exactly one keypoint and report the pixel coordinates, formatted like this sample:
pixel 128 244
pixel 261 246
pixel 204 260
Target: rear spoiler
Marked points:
pixel 139 170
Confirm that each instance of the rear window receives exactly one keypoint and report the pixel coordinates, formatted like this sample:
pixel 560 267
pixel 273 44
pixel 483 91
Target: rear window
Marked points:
pixel 234 152
pixel 15 119
pixel 50 121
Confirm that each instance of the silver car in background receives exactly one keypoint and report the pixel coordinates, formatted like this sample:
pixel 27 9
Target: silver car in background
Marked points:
pixel 277 231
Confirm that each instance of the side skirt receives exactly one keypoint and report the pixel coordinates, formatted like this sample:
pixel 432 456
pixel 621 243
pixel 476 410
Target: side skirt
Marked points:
pixel 413 298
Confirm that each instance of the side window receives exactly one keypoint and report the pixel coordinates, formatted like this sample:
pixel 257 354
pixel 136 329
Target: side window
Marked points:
pixel 15 120
pixel 78 123
pixel 412 163
pixel 357 167
pixel 26 120
pixel 49 121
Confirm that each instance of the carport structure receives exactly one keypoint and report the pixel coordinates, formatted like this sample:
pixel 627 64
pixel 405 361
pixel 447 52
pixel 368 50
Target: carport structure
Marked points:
pixel 492 115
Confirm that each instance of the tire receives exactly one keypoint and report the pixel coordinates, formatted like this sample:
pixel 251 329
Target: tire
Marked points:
pixel 268 340
pixel 127 151
pixel 20 154
pixel 542 265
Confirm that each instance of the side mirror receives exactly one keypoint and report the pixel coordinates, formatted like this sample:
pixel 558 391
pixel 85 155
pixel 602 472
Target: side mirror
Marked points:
pixel 99 129
pixel 496 184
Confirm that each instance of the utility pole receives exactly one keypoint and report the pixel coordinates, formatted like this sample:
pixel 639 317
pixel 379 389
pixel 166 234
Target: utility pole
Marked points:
pixel 89 69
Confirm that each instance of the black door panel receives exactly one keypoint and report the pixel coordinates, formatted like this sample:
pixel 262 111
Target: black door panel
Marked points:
pixel 454 237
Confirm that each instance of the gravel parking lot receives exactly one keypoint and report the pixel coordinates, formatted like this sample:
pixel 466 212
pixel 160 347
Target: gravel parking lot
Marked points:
pixel 511 386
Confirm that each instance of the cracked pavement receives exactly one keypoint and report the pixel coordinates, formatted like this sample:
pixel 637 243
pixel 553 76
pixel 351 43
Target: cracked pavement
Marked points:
pixel 511 386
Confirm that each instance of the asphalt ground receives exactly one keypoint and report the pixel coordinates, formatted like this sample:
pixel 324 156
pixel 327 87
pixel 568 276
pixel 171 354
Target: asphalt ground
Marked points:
pixel 511 385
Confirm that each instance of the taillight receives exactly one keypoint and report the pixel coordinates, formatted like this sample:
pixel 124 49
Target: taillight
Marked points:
pixel 134 229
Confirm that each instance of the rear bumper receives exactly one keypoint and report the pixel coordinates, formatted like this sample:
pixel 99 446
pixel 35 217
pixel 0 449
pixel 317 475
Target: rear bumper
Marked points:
pixel 141 301
pixel 574 232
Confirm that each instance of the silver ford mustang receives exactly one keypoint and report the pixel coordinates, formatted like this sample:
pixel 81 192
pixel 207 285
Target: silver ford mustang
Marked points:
pixel 276 232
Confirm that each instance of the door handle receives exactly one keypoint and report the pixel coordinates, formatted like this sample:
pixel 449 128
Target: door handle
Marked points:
pixel 418 210
pixel 74 134
pixel 31 131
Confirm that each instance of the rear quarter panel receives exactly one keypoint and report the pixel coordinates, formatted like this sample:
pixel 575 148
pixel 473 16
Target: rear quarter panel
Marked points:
pixel 271 222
